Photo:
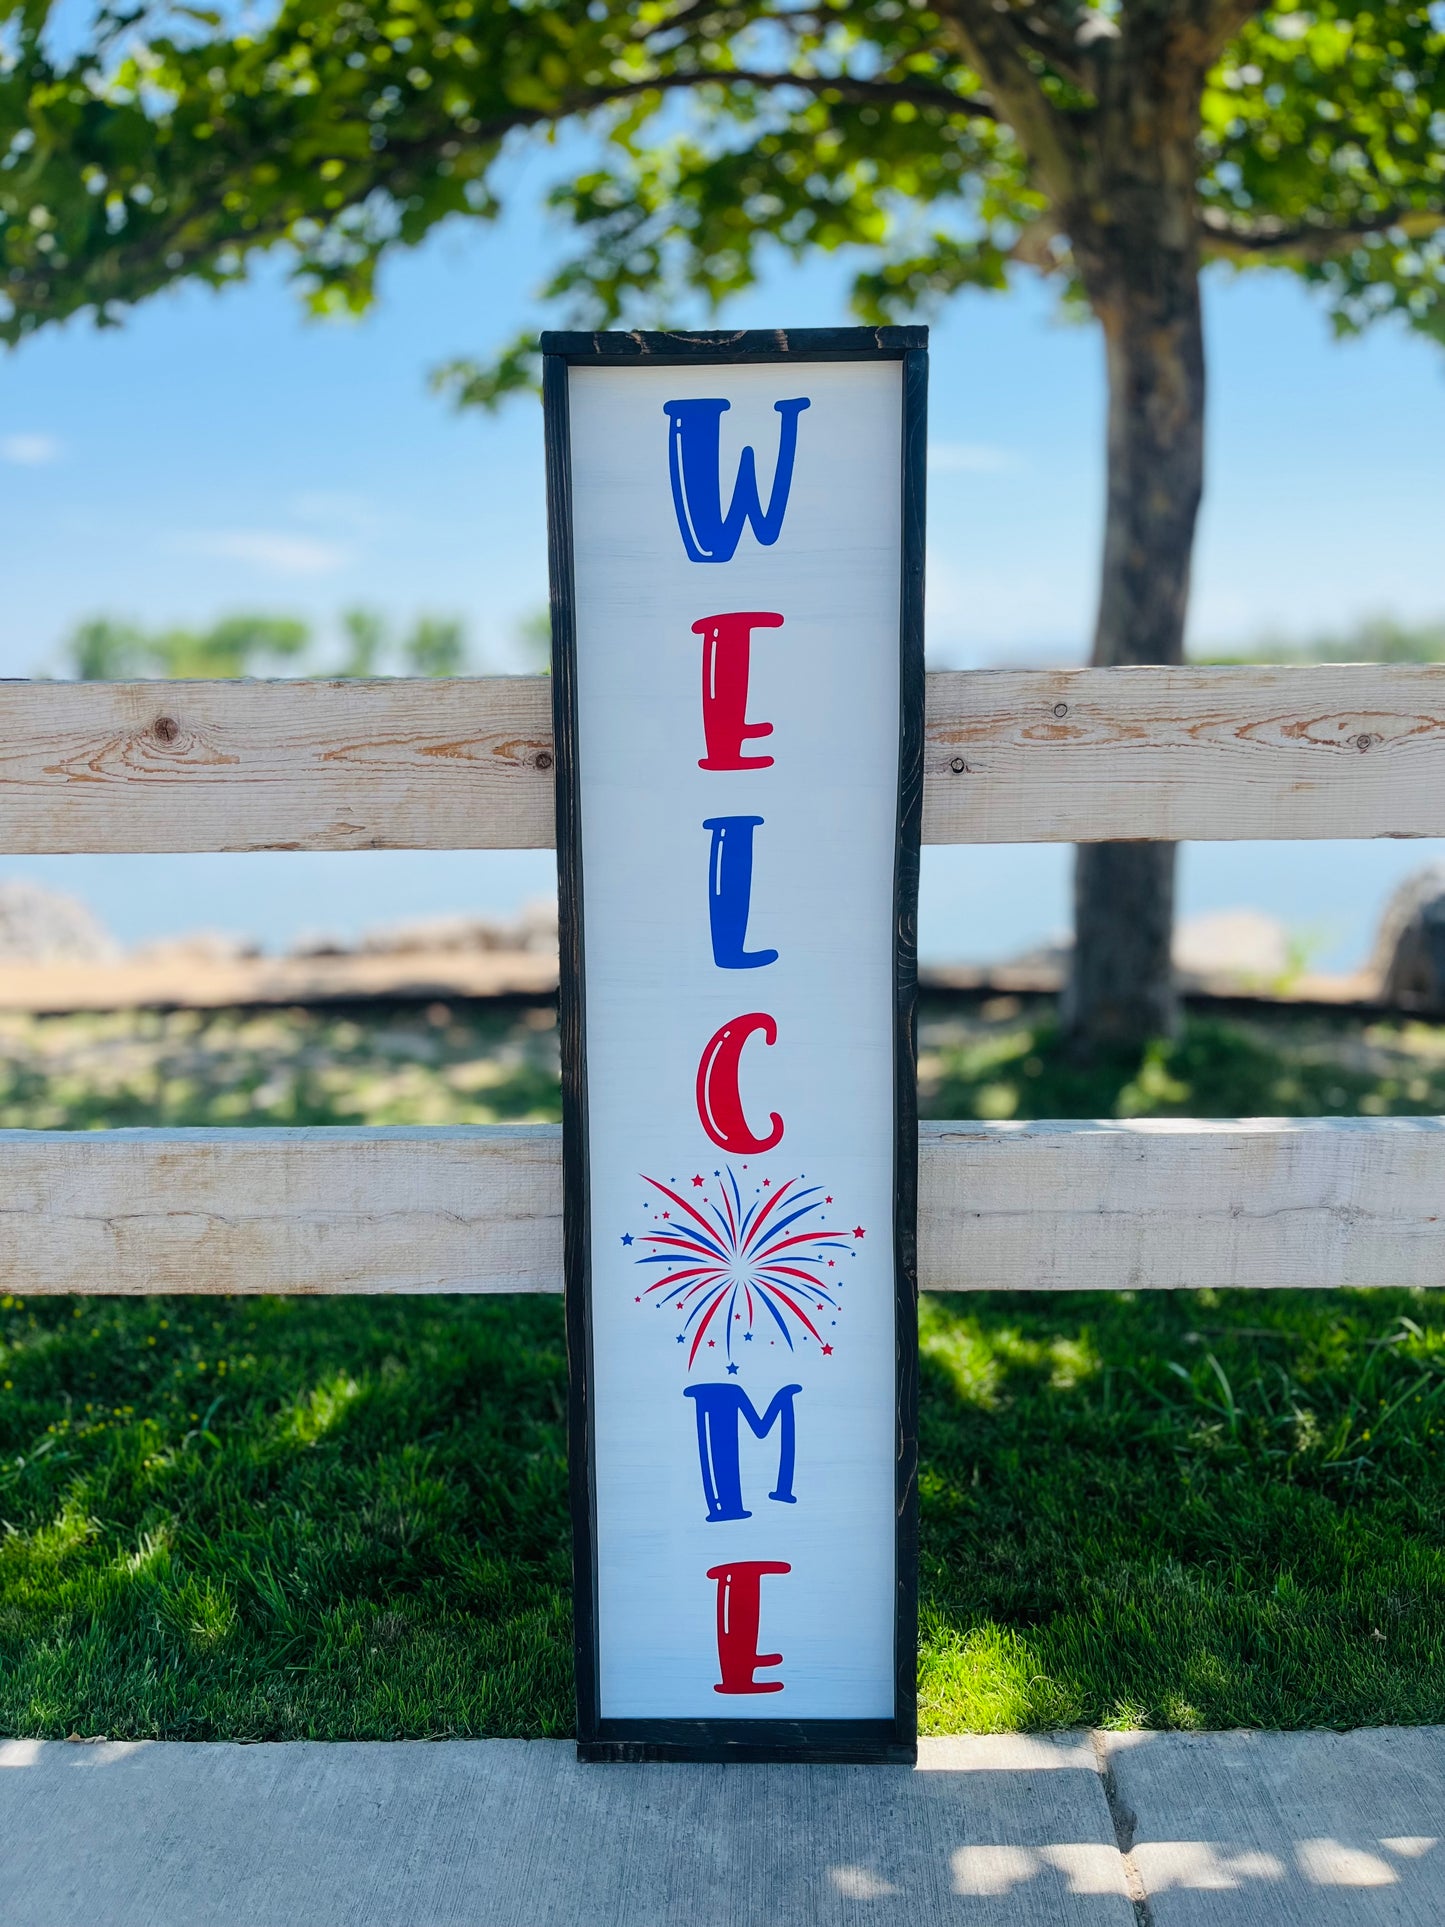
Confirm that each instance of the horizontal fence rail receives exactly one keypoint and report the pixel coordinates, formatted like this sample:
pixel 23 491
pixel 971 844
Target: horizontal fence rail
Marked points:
pixel 1151 1204
pixel 1081 755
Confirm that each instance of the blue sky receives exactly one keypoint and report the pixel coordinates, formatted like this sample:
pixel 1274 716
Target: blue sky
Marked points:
pixel 221 452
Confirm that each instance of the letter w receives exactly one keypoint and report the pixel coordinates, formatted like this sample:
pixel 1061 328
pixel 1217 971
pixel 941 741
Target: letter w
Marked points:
pixel 694 457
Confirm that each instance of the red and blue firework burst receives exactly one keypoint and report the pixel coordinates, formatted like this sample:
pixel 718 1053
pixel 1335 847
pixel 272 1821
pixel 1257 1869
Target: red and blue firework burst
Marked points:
pixel 736 1270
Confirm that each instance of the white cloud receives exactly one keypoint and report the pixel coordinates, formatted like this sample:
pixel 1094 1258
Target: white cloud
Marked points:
pixel 994 608
pixel 334 509
pixel 29 451
pixel 270 550
pixel 972 458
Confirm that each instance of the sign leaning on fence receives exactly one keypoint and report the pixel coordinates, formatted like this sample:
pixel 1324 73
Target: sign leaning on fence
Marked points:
pixel 737 562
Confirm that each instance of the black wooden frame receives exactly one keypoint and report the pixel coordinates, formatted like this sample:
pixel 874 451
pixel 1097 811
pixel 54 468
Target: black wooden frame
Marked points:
pixel 853 1741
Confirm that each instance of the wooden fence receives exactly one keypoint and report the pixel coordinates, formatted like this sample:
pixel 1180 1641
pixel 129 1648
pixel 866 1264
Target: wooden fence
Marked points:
pixel 1072 756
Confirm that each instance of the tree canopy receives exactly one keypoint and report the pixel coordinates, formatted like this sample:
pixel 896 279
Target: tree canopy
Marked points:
pixel 950 140
pixel 1113 145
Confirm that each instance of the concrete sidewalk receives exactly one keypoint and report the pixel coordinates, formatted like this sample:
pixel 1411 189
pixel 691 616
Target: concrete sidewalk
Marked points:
pixel 1069 1830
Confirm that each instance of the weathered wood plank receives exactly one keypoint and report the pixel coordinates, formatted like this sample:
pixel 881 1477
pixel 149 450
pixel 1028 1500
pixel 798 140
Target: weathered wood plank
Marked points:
pixel 1148 1205
pixel 1012 756
pixel 1097 755
pixel 343 1210
pixel 167 766
pixel 1161 1203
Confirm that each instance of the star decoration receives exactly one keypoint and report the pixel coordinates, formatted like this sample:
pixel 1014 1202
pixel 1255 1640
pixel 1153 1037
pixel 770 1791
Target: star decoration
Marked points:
pixel 732 1259
pixel 858 1231
pixel 732 1371
pixel 827 1350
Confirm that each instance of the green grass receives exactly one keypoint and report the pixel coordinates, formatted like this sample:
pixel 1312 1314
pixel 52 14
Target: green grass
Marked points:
pixel 263 1519
pixel 1193 1509
pixel 347 1518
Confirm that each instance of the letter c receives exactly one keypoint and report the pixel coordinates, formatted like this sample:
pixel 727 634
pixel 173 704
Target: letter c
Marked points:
pixel 718 1104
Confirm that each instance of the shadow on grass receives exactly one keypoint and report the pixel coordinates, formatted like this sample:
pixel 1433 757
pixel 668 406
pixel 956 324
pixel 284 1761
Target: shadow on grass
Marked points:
pixel 265 1519
pixel 440 1065
pixel 1194 1509
pixel 347 1518
pixel 1007 1061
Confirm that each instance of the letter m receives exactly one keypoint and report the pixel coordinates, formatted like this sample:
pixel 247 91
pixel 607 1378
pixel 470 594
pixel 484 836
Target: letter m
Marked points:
pixel 721 1409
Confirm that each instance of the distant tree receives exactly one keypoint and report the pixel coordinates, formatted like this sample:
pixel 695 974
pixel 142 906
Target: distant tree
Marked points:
pixel 1115 146
pixel 1377 639
pixel 433 646
pixel 436 648
pixel 365 634
pixel 534 639
pixel 235 646
pixel 104 650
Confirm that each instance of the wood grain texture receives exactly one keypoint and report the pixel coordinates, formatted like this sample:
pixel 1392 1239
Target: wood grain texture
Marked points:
pixel 1159 1204
pixel 1011 756
pixel 1103 755
pixel 404 765
pixel 336 1210
pixel 1155 1204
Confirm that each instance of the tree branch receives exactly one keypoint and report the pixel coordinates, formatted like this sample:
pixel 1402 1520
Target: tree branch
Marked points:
pixel 176 243
pixel 997 48
pixel 917 93
pixel 1225 18
pixel 1312 241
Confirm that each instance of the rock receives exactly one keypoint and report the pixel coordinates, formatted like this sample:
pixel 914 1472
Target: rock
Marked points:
pixel 1409 957
pixel 1234 947
pixel 533 929
pixel 319 943
pixel 1222 950
pixel 198 946
pixel 45 926
pixel 536 925
pixel 433 935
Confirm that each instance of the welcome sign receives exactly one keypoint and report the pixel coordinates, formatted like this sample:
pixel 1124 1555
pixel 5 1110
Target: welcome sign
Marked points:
pixel 736 531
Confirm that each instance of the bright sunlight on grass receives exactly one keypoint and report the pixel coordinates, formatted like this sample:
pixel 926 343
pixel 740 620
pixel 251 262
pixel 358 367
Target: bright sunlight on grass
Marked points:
pixel 347 1518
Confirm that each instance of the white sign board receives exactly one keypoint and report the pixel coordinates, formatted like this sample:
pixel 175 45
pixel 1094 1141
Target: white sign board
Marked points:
pixel 737 595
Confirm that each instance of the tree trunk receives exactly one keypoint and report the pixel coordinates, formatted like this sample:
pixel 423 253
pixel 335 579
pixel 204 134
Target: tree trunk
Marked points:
pixel 1140 268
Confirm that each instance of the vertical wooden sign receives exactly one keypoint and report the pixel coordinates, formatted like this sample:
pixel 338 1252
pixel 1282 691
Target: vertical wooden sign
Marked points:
pixel 737 589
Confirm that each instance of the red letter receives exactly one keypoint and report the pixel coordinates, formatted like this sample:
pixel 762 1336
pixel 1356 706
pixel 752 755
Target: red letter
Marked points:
pixel 727 640
pixel 718 1104
pixel 738 1612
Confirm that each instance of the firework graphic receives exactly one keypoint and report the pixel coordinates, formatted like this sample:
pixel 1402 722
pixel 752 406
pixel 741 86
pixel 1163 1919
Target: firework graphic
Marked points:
pixel 739 1272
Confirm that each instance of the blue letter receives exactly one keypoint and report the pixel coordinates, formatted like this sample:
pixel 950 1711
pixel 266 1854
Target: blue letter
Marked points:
pixel 694 452
pixel 730 889
pixel 720 1410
